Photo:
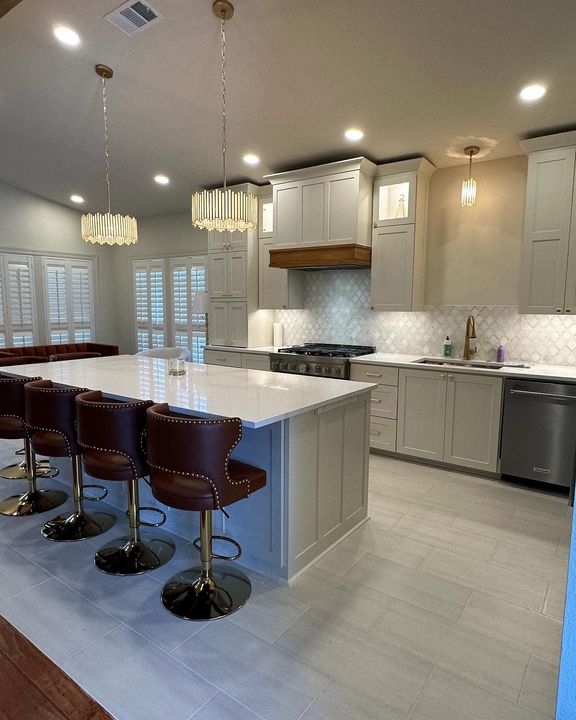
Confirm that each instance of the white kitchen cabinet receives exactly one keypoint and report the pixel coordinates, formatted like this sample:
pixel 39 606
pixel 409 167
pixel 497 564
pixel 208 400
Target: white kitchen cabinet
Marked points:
pixel 548 283
pixel 224 241
pixel 450 417
pixel 400 211
pixel 383 402
pixel 255 361
pixel 265 214
pixel 227 274
pixel 228 323
pixel 218 275
pixel 232 358
pixel 382 434
pixel 278 288
pixel 326 204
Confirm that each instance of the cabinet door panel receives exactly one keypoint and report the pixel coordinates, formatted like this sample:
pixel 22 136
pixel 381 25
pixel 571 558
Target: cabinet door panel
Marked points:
pixel 265 217
pixel 384 402
pixel 421 413
pixel 288 214
pixel 331 436
pixel 392 268
pixel 237 273
pixel 237 240
pixel 473 407
pixel 218 327
pixel 342 208
pixel 218 274
pixel 313 198
pixel 237 324
pixel 382 434
pixel 546 230
pixel 217 241
pixel 273 282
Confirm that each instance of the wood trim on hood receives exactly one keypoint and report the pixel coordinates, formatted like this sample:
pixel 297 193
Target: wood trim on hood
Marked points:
pixel 350 255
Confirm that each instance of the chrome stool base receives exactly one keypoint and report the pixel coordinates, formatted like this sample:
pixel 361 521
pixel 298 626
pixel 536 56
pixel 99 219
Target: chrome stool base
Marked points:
pixel 37 501
pixel 125 556
pixel 78 526
pixel 19 471
pixel 191 596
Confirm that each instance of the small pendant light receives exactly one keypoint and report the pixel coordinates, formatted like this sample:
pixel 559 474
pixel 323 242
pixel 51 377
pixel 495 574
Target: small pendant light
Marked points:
pixel 106 228
pixel 468 198
pixel 224 210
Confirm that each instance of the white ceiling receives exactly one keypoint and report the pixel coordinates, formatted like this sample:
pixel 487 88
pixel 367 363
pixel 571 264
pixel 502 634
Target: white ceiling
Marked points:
pixel 420 77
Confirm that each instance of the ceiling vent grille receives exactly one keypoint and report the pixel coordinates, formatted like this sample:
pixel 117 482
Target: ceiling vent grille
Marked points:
pixel 133 17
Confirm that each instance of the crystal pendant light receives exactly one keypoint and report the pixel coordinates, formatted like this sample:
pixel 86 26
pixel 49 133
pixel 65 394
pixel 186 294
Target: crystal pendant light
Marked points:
pixel 468 198
pixel 107 228
pixel 224 209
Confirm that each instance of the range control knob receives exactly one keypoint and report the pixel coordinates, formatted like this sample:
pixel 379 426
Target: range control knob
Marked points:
pixel 302 368
pixel 318 369
pixel 292 365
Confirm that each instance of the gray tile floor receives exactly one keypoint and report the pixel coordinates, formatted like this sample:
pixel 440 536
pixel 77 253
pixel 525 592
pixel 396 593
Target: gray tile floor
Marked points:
pixel 446 605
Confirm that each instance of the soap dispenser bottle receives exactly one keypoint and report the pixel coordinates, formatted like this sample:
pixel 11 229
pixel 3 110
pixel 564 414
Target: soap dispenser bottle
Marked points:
pixel 447 347
pixel 501 353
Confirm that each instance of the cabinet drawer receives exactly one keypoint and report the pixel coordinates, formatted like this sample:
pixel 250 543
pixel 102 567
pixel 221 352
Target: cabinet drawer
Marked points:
pixel 384 402
pixel 383 434
pixel 255 361
pixel 382 374
pixel 222 357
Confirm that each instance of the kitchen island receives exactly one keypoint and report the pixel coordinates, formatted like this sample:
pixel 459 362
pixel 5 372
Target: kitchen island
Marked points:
pixel 310 435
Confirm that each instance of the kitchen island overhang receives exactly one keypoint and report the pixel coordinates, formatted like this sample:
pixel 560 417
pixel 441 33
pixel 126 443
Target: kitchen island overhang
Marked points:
pixel 310 435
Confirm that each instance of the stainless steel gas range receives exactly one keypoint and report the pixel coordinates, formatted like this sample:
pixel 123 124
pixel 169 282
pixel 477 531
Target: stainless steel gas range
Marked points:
pixel 320 359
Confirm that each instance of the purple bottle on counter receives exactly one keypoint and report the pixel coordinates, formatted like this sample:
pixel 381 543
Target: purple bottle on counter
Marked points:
pixel 501 354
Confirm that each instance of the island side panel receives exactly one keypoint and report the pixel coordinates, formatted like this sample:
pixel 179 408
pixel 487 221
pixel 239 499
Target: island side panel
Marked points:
pixel 327 477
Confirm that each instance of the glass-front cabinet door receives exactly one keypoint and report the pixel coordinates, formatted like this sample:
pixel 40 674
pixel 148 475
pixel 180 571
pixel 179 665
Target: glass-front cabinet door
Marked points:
pixel 394 199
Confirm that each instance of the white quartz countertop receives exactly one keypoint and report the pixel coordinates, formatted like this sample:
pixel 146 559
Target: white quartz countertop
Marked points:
pixel 565 373
pixel 257 397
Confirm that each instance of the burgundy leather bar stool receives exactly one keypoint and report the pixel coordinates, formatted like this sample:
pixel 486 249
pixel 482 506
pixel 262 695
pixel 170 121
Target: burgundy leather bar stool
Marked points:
pixel 13 427
pixel 191 469
pixel 111 434
pixel 51 422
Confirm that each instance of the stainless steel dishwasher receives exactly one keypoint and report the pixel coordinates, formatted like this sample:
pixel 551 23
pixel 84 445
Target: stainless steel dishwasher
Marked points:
pixel 539 431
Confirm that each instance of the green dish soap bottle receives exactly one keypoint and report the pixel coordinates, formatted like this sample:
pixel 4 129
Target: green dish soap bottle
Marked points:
pixel 447 347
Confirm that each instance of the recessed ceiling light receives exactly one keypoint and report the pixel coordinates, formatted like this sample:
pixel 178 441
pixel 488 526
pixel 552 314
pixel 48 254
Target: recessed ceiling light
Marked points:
pixel 66 35
pixel 532 92
pixel 161 179
pixel 353 134
pixel 251 159
pixel 77 199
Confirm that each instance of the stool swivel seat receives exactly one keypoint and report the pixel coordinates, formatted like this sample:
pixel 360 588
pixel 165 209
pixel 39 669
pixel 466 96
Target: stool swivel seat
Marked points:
pixel 111 434
pixel 13 427
pixel 191 469
pixel 51 422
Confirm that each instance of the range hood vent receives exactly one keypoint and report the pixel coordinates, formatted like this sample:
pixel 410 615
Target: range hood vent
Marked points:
pixel 133 17
pixel 321 257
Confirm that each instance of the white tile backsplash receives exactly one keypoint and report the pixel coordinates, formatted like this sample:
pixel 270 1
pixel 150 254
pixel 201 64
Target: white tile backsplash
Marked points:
pixel 337 306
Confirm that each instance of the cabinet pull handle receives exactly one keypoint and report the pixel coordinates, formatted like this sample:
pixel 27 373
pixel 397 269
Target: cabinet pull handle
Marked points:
pixel 568 309
pixel 450 377
pixel 558 310
pixel 373 374
pixel 220 358
pixel 376 400
pixel 375 432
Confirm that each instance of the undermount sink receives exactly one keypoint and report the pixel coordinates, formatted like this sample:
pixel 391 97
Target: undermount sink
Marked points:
pixel 453 362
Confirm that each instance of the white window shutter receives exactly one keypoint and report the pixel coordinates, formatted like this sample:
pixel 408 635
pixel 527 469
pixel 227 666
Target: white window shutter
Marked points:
pixel 189 328
pixel 69 300
pixel 17 315
pixel 149 303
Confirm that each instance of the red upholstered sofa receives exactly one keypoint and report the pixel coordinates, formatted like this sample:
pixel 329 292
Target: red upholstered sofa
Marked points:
pixel 43 353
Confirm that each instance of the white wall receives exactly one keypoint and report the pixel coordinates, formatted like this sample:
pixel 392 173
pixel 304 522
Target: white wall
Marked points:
pixel 29 224
pixel 473 255
pixel 158 236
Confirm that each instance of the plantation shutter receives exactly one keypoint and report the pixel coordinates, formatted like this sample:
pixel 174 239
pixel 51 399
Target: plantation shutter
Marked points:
pixel 17 308
pixel 69 300
pixel 149 301
pixel 189 328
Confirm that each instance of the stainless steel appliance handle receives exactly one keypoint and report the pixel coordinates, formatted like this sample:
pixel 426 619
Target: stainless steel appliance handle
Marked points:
pixel 542 394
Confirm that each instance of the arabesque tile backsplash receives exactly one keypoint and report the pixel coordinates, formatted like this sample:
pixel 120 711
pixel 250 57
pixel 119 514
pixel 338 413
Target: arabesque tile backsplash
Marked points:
pixel 337 306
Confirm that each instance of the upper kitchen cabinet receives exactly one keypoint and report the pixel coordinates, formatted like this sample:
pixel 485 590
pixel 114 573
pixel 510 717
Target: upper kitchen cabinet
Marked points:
pixel 548 281
pixel 235 317
pixel 326 204
pixel 265 213
pixel 399 213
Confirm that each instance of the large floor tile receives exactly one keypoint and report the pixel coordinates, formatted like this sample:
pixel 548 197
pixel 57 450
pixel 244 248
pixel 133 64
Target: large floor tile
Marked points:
pixel 415 586
pixel 56 618
pixel 448 697
pixel 340 559
pixel 505 583
pixel 136 602
pixel 387 544
pixel 134 679
pixel 448 538
pixel 555 600
pixel 520 532
pixel 223 707
pixel 380 501
pixel 482 660
pixel 526 559
pixel 262 677
pixel 360 660
pixel 528 630
pixel 540 687
pixel 341 702
pixel 17 573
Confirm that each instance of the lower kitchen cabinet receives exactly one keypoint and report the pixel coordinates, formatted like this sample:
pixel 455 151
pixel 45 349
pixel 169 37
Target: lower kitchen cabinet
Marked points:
pixel 450 417
pixel 382 433
pixel 248 360
pixel 228 323
pixel 383 402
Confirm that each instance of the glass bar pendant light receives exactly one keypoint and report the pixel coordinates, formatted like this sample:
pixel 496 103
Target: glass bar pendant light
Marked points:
pixel 468 198
pixel 224 209
pixel 107 228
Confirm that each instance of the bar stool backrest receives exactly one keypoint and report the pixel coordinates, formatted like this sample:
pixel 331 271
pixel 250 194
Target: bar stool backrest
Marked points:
pixel 194 446
pixel 12 396
pixel 113 426
pixel 52 409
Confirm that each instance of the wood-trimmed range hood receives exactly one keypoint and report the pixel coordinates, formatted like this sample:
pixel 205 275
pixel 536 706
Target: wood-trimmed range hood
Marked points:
pixel 321 257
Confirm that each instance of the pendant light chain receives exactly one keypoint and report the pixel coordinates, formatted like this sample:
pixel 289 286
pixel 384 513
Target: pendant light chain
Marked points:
pixel 223 57
pixel 106 139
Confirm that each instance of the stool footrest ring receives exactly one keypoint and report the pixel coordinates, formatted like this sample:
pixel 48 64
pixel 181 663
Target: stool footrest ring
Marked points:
pixel 150 509
pixel 95 498
pixel 215 556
